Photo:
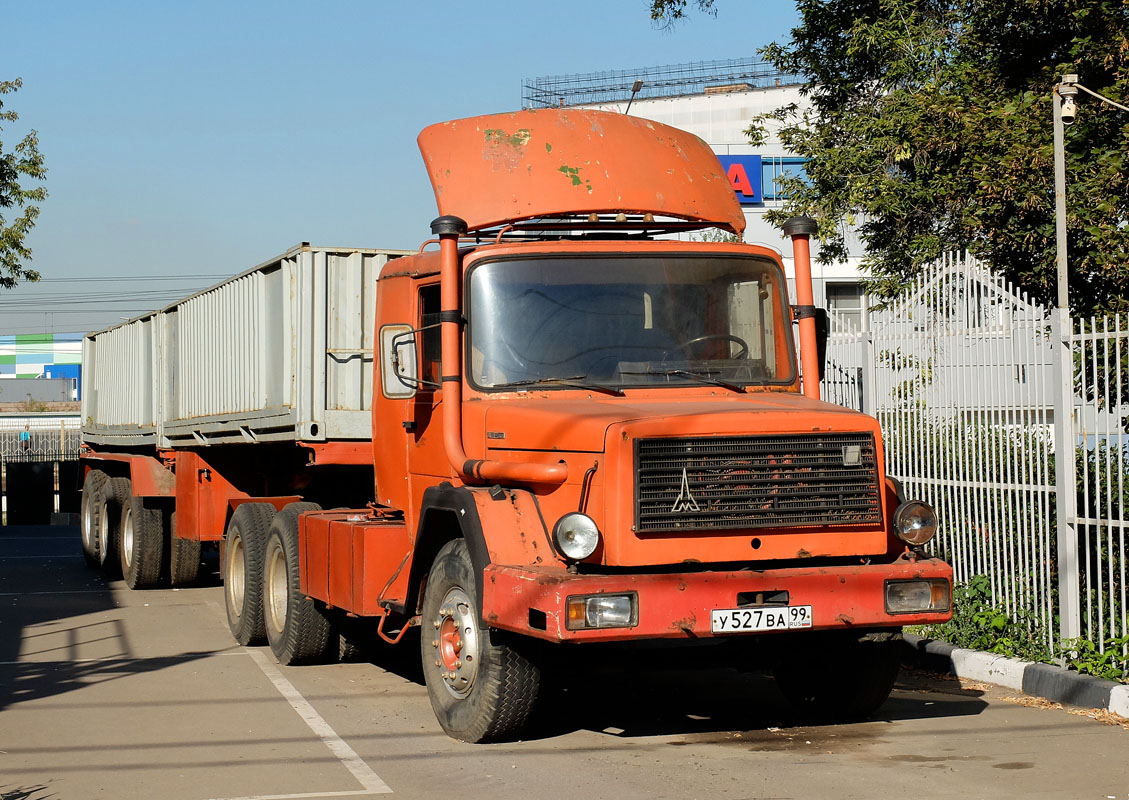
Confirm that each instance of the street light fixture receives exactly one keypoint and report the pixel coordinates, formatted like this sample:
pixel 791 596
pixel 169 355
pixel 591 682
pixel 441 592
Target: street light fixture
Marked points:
pixel 1065 112
pixel 635 87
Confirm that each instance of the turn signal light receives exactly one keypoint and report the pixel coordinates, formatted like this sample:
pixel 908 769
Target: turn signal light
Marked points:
pixel 603 611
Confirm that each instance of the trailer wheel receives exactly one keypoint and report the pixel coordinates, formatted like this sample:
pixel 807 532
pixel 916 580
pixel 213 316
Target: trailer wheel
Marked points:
pixel 90 510
pixel 846 681
pixel 480 688
pixel 298 631
pixel 243 570
pixel 183 557
pixel 142 542
pixel 114 496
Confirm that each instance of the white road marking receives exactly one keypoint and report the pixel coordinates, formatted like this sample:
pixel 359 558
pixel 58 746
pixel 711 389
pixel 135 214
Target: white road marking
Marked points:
pixel 345 754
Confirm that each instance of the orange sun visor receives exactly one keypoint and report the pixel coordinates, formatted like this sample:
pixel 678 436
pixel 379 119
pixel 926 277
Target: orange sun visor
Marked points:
pixel 551 163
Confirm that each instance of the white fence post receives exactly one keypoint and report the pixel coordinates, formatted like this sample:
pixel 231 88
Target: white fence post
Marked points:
pixel 1070 616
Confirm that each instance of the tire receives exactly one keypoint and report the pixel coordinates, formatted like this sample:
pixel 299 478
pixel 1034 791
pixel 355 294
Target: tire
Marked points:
pixel 480 688
pixel 243 571
pixel 297 629
pixel 114 496
pixel 142 541
pixel 845 681
pixel 89 511
pixel 183 557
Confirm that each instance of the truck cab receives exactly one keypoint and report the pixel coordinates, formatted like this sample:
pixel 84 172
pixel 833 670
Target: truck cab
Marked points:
pixel 606 432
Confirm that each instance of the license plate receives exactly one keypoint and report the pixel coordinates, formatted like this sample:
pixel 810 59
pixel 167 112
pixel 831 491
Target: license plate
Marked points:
pixel 743 620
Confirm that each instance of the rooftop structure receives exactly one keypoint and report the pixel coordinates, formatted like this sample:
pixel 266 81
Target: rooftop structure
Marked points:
pixel 672 80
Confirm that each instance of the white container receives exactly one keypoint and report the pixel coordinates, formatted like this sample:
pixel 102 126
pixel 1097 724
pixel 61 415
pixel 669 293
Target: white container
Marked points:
pixel 281 352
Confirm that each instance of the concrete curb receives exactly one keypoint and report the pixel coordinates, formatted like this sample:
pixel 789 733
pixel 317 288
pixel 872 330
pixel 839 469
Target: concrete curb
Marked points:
pixel 1053 683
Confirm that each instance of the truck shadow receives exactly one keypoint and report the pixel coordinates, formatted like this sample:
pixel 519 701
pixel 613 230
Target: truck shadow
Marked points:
pixel 637 696
pixel 720 705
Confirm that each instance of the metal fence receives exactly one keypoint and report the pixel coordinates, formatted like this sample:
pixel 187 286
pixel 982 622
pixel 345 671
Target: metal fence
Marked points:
pixel 33 439
pixel 1009 419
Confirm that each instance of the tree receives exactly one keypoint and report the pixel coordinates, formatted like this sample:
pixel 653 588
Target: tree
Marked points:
pixel 929 128
pixel 24 161
pixel 667 12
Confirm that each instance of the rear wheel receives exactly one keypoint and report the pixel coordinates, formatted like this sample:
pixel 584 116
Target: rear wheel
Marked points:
pixel 142 542
pixel 243 570
pixel 89 512
pixel 481 688
pixel 114 497
pixel 846 678
pixel 298 631
pixel 183 557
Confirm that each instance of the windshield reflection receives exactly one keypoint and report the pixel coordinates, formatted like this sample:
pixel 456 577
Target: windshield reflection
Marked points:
pixel 613 322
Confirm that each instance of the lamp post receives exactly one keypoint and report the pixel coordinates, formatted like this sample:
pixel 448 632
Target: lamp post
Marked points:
pixel 1066 539
pixel 1064 113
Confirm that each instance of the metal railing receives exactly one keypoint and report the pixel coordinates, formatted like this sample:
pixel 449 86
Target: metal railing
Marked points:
pixel 1011 420
pixel 31 439
pixel 670 80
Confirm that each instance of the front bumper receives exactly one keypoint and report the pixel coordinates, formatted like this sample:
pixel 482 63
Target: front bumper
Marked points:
pixel 671 606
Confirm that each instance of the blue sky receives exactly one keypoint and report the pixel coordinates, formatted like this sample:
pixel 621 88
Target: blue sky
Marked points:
pixel 198 139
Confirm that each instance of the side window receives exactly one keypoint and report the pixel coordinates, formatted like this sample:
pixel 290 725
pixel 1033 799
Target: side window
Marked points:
pixel 848 301
pixel 431 366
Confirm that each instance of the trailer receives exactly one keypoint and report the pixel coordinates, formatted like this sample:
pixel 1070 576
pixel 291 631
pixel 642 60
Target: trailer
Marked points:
pixel 550 430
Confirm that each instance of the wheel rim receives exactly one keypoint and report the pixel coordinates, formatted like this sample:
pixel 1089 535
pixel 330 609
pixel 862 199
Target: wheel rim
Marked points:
pixel 278 587
pixel 127 536
pixel 88 524
pixel 103 533
pixel 456 642
pixel 234 580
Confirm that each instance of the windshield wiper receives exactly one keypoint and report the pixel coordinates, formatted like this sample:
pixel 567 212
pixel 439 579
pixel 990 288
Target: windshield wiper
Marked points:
pixel 685 373
pixel 575 381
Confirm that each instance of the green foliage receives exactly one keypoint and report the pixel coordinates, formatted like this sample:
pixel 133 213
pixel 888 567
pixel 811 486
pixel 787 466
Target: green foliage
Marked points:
pixel 1086 657
pixel 979 624
pixel 931 125
pixel 24 161
pixel 30 406
pixel 666 13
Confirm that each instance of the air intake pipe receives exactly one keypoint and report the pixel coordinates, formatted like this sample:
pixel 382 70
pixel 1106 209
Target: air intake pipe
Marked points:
pixel 448 229
pixel 800 229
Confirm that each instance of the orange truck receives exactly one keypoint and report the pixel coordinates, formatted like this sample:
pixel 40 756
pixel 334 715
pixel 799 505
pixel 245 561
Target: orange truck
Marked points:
pixel 554 426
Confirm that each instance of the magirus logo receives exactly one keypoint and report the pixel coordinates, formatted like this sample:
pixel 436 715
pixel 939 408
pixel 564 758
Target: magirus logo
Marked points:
pixel 685 501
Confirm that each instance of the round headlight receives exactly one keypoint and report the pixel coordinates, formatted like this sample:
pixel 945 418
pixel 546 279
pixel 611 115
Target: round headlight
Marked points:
pixel 915 522
pixel 576 536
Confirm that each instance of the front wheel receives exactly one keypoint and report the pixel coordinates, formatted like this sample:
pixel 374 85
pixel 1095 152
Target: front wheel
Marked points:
pixel 844 678
pixel 481 689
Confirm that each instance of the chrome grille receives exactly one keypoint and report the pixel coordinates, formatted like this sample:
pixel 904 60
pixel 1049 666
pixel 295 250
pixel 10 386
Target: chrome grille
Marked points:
pixel 725 482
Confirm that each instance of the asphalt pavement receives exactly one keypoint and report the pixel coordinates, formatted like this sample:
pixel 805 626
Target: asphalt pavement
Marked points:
pixel 112 693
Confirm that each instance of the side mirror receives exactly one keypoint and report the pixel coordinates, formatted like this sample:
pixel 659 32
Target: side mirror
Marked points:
pixel 399 371
pixel 821 332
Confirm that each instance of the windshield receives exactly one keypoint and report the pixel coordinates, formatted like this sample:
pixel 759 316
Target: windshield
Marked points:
pixel 628 321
